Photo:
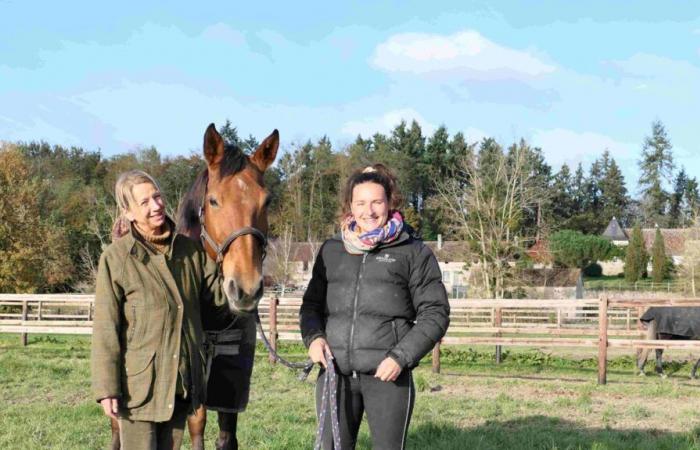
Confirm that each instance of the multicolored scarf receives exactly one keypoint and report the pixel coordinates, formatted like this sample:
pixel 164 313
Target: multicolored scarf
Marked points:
pixel 356 243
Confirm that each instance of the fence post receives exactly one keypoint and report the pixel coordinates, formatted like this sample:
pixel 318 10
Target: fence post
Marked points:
pixel 25 314
pixel 640 312
pixel 602 340
pixel 436 357
pixel 273 327
pixel 498 318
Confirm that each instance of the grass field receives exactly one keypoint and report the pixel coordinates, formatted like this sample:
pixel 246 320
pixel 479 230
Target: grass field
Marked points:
pixel 533 400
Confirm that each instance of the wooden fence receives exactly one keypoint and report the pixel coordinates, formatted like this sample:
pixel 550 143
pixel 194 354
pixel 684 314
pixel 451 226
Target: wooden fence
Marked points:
pixel 506 322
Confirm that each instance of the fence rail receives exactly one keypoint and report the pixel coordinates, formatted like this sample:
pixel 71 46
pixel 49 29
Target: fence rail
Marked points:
pixel 603 323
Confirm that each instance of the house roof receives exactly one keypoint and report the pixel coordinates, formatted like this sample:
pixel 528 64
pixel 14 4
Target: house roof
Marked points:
pixel 615 232
pixel 539 252
pixel 674 239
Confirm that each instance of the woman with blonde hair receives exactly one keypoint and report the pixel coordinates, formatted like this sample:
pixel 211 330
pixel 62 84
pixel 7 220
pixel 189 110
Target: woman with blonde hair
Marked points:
pixel 147 360
pixel 374 307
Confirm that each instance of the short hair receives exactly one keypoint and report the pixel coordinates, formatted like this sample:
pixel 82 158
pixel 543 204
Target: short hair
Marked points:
pixel 123 189
pixel 376 173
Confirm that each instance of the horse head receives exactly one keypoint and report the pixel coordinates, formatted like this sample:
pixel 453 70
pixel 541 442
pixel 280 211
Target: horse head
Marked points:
pixel 229 201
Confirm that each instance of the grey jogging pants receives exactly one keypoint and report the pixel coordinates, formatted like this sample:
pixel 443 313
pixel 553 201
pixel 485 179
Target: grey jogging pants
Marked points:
pixel 388 405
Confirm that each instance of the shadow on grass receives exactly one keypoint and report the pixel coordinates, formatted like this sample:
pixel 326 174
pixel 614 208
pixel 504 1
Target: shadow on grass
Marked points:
pixel 545 433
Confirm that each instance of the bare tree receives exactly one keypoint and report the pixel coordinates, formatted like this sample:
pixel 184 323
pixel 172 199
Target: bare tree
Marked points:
pixel 485 205
pixel 280 257
pixel 690 267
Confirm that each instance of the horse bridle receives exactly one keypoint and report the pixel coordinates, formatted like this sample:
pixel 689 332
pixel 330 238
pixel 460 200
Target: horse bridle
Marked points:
pixel 221 249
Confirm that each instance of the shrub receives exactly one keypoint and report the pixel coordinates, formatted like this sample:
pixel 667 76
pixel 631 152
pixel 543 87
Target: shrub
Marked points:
pixel 593 270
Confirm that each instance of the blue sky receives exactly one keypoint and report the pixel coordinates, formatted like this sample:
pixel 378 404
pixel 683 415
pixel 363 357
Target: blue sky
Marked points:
pixel 574 78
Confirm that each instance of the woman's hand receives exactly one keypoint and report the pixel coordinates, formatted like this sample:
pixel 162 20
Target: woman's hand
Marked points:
pixel 388 370
pixel 110 406
pixel 317 351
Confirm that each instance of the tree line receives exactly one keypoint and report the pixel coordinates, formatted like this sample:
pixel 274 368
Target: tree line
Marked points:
pixel 57 203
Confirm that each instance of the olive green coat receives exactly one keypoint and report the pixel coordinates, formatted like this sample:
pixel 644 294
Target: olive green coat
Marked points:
pixel 145 303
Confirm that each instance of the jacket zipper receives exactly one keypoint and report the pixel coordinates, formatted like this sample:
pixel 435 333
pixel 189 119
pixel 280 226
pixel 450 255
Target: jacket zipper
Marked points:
pixel 354 308
pixel 396 332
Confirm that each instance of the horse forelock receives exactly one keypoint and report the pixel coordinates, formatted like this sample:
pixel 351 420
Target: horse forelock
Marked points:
pixel 234 161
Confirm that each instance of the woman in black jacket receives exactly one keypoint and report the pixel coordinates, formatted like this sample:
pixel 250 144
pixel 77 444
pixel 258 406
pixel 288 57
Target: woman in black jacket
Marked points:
pixel 377 304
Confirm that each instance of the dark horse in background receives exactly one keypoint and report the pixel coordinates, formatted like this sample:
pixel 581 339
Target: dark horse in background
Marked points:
pixel 230 201
pixel 679 323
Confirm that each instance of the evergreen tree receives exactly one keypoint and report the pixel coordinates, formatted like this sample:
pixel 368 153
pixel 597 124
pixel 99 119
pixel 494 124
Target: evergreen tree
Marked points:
pixel 658 258
pixel 636 256
pixel 656 166
pixel 562 198
pixel 675 211
pixel 692 202
pixel 408 145
pixel 614 199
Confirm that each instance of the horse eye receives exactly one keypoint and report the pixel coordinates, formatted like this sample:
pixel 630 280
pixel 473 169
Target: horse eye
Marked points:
pixel 213 202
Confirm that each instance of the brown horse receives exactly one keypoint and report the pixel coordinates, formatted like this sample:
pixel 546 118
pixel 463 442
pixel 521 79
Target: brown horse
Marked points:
pixel 227 207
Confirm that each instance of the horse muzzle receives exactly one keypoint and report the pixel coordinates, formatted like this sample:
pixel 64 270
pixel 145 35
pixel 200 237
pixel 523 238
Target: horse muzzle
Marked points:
pixel 239 299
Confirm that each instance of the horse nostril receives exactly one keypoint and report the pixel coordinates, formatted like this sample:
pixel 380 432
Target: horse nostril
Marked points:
pixel 259 291
pixel 230 289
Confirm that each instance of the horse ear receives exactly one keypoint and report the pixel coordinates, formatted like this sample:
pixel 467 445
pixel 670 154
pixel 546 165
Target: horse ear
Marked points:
pixel 213 146
pixel 266 152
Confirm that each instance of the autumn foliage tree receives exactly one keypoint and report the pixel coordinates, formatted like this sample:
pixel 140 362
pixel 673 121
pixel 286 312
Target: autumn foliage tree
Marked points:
pixel 33 252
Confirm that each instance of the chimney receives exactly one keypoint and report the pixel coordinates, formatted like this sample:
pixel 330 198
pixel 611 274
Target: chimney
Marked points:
pixel 439 242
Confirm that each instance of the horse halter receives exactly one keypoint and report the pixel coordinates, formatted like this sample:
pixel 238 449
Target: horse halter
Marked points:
pixel 220 249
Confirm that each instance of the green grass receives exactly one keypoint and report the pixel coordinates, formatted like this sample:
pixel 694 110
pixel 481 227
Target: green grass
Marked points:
pixel 533 400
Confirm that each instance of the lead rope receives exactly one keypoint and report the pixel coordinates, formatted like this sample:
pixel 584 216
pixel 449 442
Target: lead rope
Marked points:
pixel 330 392
pixel 306 366
pixel 330 386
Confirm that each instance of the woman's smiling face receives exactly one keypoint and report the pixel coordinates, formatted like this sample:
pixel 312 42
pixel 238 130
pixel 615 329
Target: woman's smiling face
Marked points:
pixel 148 209
pixel 369 206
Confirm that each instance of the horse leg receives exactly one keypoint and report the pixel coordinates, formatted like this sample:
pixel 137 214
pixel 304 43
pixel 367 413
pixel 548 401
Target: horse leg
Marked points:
pixel 644 353
pixel 659 362
pixel 695 369
pixel 116 442
pixel 196 424
pixel 228 422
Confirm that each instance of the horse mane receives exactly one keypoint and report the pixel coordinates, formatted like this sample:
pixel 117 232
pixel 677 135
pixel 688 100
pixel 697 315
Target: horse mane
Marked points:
pixel 188 211
pixel 234 161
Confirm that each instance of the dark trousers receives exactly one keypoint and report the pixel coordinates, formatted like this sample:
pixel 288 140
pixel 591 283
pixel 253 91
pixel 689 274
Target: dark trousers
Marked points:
pixel 388 405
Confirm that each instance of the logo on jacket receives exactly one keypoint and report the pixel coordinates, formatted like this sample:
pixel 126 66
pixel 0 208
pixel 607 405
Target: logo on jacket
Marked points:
pixel 385 258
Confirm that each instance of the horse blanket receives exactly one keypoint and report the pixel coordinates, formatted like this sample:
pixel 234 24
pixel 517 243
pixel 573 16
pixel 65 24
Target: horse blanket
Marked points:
pixel 230 353
pixel 673 320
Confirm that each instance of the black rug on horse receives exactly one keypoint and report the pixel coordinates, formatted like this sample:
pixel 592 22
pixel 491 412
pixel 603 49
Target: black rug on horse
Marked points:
pixel 672 320
pixel 228 387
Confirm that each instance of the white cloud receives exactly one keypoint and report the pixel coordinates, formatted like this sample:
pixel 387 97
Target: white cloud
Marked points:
pixel 385 123
pixel 466 54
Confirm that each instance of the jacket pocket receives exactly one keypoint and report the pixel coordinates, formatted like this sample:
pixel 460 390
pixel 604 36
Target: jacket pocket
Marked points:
pixel 139 368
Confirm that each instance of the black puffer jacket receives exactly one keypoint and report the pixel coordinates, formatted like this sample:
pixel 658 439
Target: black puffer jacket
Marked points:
pixel 388 302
